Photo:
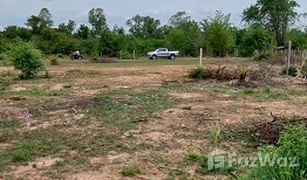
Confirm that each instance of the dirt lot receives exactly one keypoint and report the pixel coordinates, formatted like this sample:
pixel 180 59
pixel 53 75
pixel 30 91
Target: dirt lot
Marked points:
pixel 131 120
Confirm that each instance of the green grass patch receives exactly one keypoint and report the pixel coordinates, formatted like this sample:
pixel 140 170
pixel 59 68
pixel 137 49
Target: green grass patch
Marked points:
pixel 9 124
pixel 131 170
pixel 292 144
pixel 99 144
pixel 122 109
pixel 37 143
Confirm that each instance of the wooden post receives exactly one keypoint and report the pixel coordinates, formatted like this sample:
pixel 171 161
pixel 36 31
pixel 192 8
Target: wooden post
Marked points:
pixel 201 57
pixel 289 57
pixel 121 55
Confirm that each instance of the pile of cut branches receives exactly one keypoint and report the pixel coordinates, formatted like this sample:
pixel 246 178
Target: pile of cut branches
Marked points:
pixel 268 132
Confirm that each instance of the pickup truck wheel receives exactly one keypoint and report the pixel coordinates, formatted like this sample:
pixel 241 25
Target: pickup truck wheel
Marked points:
pixel 154 57
pixel 172 57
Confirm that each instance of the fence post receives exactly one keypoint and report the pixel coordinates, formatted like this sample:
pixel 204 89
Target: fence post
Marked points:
pixel 134 57
pixel 121 55
pixel 289 56
pixel 201 57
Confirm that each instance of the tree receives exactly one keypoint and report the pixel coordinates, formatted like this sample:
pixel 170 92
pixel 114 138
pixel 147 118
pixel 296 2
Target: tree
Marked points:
pixel 255 38
pixel 187 38
pixel 12 32
pixel 83 32
pixel 179 18
pixel 144 27
pixel 298 38
pixel 274 15
pixel 97 19
pixel 218 34
pixel 46 17
pixel 27 59
pixel 35 23
pixel 69 28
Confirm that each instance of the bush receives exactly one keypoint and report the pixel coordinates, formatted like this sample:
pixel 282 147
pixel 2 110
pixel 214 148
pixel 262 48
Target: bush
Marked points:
pixel 262 56
pixel 293 71
pixel 292 144
pixel 27 59
pixel 198 73
pixel 54 61
pixel 3 57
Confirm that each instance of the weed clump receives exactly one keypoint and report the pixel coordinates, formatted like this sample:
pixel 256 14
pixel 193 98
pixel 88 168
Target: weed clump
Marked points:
pixel 198 73
pixel 54 61
pixel 131 170
pixel 293 71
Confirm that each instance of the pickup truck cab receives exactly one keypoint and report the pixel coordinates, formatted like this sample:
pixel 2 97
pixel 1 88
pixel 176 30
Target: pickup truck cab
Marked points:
pixel 163 53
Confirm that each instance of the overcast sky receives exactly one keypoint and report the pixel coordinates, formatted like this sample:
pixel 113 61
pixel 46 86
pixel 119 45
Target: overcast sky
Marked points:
pixel 15 12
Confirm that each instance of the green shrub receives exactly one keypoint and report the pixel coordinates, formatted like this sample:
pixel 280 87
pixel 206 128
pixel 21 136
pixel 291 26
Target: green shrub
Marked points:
pixel 292 144
pixel 3 57
pixel 293 71
pixel 54 61
pixel 262 56
pixel 27 59
pixel 131 170
pixel 198 73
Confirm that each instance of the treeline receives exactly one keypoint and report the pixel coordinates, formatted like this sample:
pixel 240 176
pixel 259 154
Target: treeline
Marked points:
pixel 267 26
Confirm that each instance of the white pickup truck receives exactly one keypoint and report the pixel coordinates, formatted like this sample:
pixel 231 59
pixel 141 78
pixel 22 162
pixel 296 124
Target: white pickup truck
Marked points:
pixel 163 52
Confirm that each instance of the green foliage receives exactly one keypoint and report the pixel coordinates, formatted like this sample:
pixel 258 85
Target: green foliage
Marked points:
pixel 27 59
pixel 97 19
pixel 3 57
pixel 219 37
pixel 298 38
pixel 118 108
pixel 293 71
pixel 262 55
pixel 197 73
pixel 54 61
pixel 255 38
pixel 202 162
pixel 186 37
pixel 83 32
pixel 292 144
pixel 214 135
pixel 69 28
pixel 143 27
pixel 131 170
pixel 275 16
pixel 32 144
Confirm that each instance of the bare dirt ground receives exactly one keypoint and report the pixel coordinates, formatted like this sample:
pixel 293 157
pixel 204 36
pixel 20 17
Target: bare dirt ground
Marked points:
pixel 67 126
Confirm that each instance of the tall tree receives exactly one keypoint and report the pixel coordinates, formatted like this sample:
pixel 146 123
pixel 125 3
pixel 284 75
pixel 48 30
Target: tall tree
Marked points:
pixel 46 17
pixel 218 34
pixel 69 28
pixel 35 23
pixel 179 18
pixel 83 32
pixel 275 15
pixel 97 19
pixel 143 26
